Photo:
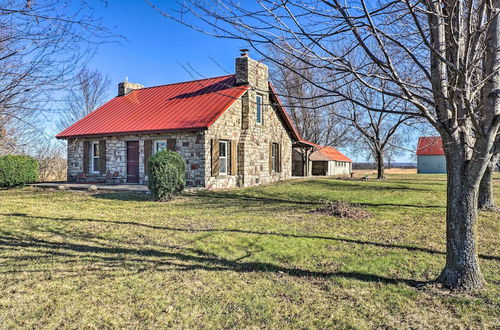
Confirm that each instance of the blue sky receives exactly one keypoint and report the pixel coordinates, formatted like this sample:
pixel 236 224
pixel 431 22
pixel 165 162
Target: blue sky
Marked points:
pixel 156 49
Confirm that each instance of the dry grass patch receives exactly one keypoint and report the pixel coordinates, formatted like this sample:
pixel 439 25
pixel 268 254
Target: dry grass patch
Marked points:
pixel 343 210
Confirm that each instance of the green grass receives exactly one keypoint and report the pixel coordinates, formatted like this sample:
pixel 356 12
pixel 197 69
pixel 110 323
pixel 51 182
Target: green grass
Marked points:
pixel 245 258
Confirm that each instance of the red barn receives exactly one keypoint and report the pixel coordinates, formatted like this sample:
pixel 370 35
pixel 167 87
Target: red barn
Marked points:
pixel 430 155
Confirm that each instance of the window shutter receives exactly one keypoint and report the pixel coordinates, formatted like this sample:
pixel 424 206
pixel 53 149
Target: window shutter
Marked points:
pixel 233 158
pixel 148 150
pixel 270 157
pixel 102 156
pixel 279 157
pixel 171 144
pixel 215 157
pixel 86 155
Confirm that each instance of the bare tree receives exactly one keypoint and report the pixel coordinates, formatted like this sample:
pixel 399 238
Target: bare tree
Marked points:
pixel 315 121
pixel 90 92
pixel 441 56
pixel 51 156
pixel 381 132
pixel 42 43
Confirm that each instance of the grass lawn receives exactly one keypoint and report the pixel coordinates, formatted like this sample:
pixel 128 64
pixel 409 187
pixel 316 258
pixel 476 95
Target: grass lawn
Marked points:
pixel 245 258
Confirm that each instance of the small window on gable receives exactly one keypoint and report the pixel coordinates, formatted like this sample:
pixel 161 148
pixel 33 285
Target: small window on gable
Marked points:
pixel 160 145
pixel 95 157
pixel 258 101
pixel 223 157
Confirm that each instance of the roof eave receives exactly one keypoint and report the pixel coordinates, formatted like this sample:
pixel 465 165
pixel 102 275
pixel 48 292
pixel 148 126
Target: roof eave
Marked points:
pixel 84 136
pixel 286 119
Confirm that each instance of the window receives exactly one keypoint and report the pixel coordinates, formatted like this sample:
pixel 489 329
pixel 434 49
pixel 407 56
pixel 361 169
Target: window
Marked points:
pixel 95 157
pixel 160 145
pixel 258 101
pixel 275 158
pixel 223 157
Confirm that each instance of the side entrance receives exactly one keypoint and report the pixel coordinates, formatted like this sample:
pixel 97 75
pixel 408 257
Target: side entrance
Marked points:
pixel 133 161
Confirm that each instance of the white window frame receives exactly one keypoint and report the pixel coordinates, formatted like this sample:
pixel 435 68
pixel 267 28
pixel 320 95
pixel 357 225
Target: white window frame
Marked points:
pixel 94 156
pixel 223 158
pixel 258 104
pixel 156 142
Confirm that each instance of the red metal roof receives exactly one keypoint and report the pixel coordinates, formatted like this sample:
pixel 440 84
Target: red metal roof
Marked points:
pixel 189 105
pixel 286 118
pixel 326 153
pixel 330 153
pixel 430 145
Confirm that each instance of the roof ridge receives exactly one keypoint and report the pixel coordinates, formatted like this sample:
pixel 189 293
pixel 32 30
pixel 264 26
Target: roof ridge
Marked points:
pixel 183 82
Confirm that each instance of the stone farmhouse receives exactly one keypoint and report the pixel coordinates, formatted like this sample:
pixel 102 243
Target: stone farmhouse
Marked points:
pixel 230 130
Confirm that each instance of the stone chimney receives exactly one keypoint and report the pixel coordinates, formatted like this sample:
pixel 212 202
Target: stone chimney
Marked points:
pixel 126 87
pixel 254 73
pixel 250 71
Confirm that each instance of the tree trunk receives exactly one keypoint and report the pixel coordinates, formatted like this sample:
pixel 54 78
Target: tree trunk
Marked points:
pixel 462 270
pixel 486 200
pixel 379 158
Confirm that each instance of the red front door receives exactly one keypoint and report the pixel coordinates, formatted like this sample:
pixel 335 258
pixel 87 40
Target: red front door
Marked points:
pixel 133 161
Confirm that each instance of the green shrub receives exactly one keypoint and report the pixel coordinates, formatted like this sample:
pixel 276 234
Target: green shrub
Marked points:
pixel 17 170
pixel 166 174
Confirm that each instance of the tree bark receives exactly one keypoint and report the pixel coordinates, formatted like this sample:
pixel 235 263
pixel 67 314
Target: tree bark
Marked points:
pixel 465 172
pixel 486 200
pixel 462 271
pixel 379 158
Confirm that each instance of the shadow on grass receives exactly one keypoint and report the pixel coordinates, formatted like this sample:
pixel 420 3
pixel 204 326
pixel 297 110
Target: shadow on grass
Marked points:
pixel 363 185
pixel 270 199
pixel 249 232
pixel 124 196
pixel 262 198
pixel 195 259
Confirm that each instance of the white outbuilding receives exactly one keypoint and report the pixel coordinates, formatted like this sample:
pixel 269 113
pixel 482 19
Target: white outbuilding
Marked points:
pixel 430 155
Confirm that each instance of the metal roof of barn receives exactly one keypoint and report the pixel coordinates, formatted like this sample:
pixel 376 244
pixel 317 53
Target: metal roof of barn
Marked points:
pixel 430 146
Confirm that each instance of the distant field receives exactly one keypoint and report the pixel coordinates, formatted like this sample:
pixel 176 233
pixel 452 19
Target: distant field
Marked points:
pixel 242 258
pixel 394 170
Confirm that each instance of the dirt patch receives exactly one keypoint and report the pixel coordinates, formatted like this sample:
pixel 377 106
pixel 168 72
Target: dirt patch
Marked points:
pixel 363 178
pixel 343 210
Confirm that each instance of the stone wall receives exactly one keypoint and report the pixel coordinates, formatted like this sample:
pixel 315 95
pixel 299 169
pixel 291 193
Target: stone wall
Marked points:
pixel 75 160
pixel 256 137
pixel 226 127
pixel 189 145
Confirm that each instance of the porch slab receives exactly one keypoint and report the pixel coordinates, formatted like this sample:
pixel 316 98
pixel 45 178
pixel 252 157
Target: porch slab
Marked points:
pixel 100 186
